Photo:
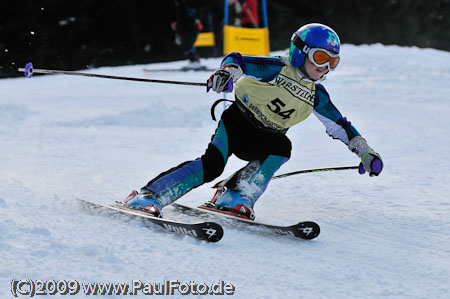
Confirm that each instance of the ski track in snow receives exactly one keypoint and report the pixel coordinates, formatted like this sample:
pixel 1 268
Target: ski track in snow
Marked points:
pixel 64 137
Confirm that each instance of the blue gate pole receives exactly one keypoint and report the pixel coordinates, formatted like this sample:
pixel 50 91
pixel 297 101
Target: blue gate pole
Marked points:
pixel 225 17
pixel 266 21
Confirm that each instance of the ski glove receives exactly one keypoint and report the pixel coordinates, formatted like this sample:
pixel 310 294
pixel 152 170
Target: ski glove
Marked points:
pixel 370 160
pixel 222 80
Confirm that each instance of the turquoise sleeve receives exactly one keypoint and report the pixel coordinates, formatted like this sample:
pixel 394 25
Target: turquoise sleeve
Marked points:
pixel 337 126
pixel 260 68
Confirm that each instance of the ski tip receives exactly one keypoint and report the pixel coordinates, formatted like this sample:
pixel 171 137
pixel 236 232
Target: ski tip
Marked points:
pixel 213 232
pixel 307 230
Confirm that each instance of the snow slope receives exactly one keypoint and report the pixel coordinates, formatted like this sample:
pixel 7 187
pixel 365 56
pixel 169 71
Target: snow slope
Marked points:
pixel 63 137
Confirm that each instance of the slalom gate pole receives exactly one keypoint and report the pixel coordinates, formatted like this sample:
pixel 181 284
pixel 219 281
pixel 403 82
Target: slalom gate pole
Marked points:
pixel 315 170
pixel 29 70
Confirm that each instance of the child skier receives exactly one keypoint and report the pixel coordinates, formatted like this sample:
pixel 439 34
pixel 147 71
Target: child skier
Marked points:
pixel 272 94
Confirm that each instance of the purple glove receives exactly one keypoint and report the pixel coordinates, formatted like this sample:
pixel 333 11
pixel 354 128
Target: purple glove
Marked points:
pixel 372 163
pixel 370 160
pixel 220 81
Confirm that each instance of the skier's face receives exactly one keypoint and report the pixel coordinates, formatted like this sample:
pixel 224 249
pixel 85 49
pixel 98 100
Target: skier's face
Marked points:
pixel 315 72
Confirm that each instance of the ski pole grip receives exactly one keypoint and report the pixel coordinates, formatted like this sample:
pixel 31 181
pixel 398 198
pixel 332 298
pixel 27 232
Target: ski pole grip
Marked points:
pixel 377 166
pixel 28 70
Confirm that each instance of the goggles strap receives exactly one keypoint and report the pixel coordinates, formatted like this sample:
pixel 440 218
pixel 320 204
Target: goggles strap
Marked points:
pixel 300 44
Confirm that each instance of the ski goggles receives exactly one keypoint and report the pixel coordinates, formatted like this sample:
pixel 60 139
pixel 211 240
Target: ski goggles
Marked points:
pixel 320 57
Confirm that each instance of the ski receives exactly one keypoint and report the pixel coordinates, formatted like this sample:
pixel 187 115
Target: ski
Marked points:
pixel 306 230
pixel 183 69
pixel 207 231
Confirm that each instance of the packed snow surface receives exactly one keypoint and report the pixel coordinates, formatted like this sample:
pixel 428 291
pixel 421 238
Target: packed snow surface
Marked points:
pixel 63 137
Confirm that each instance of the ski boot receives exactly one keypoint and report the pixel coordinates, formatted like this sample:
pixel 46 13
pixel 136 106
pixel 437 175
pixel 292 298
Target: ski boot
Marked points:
pixel 231 203
pixel 142 201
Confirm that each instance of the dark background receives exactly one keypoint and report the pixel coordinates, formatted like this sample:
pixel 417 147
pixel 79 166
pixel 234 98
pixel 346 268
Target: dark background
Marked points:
pixel 71 35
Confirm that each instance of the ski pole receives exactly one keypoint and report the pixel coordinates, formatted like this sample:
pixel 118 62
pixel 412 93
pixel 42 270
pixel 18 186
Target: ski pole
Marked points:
pixel 222 183
pixel 315 170
pixel 29 71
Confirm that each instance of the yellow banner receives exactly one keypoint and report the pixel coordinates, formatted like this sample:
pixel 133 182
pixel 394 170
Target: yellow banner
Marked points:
pixel 205 39
pixel 247 41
